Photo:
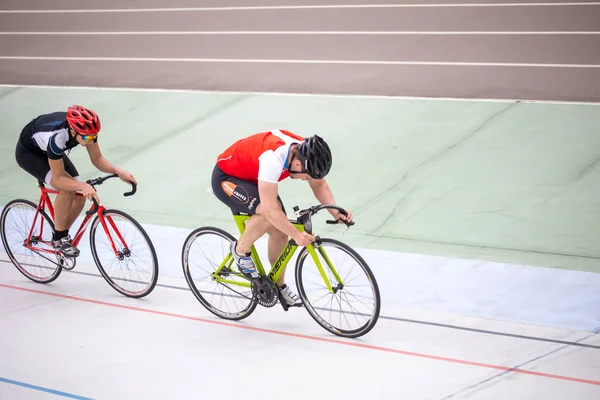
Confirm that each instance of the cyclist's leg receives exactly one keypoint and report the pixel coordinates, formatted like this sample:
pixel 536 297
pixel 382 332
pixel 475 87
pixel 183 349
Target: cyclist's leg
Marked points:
pixel 277 241
pixel 36 164
pixel 258 225
pixel 77 202
pixel 67 207
pixel 241 196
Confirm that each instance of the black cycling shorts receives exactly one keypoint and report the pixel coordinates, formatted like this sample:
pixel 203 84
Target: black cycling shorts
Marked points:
pixel 239 195
pixel 37 164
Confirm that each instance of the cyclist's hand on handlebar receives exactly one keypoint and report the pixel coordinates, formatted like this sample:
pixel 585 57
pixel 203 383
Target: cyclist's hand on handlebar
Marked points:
pixel 125 176
pixel 341 217
pixel 89 192
pixel 303 238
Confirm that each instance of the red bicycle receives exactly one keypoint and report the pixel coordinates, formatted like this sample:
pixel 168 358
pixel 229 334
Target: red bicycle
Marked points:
pixel 26 230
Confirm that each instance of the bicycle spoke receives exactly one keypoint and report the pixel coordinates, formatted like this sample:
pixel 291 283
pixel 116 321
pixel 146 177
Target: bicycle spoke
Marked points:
pixel 133 270
pixel 344 297
pixel 204 251
pixel 37 260
pixel 354 306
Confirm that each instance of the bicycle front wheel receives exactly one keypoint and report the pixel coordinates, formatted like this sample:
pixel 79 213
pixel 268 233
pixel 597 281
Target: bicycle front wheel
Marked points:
pixel 351 307
pixel 27 238
pixel 212 276
pixel 124 254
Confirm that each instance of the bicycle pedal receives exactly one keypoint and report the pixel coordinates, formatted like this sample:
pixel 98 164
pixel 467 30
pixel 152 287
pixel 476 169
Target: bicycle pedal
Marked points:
pixel 284 303
pixel 67 263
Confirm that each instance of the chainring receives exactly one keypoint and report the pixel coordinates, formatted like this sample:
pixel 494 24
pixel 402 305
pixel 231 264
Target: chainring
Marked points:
pixel 264 291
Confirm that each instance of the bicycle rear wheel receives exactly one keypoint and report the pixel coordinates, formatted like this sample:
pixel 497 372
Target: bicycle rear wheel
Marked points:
pixel 33 255
pixel 211 274
pixel 352 309
pixel 133 269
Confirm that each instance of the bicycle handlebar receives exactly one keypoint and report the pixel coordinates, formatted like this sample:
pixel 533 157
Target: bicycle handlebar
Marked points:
pixel 100 181
pixel 304 216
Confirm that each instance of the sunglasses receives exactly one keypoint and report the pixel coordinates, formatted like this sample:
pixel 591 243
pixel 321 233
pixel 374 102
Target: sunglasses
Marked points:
pixel 85 138
pixel 296 157
pixel 88 138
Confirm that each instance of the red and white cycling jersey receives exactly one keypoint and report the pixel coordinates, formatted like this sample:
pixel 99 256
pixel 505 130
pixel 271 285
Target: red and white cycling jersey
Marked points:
pixel 262 156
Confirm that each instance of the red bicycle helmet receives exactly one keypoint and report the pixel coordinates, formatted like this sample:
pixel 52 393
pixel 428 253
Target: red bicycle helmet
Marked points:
pixel 83 121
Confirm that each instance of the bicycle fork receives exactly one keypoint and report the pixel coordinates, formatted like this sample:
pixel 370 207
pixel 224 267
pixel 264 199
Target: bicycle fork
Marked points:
pixel 311 250
pixel 119 254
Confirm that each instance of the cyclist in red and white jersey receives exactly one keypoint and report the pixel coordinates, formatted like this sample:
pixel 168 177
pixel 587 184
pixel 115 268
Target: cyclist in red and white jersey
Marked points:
pixel 246 177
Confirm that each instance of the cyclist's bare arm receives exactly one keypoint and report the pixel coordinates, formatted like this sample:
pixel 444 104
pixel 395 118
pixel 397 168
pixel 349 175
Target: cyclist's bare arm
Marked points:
pixel 61 181
pixel 321 190
pixel 104 165
pixel 323 194
pixel 271 209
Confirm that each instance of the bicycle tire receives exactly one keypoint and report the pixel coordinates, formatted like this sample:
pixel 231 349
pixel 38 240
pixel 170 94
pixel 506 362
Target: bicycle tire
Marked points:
pixel 155 270
pixel 348 333
pixel 16 263
pixel 185 256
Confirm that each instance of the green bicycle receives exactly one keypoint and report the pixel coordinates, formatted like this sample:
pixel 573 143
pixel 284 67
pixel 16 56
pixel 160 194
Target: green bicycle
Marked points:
pixel 214 279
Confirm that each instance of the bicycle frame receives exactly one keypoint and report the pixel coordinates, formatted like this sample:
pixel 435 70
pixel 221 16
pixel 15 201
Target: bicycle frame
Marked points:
pixel 45 203
pixel 284 257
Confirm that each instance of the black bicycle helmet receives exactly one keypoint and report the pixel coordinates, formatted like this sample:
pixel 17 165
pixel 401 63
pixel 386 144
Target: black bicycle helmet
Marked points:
pixel 316 155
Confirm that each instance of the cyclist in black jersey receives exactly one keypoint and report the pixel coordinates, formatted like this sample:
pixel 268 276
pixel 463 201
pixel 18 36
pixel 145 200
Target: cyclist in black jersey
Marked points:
pixel 41 152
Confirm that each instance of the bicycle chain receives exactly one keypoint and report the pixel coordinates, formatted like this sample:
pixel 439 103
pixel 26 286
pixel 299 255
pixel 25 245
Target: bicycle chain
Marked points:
pixel 57 262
